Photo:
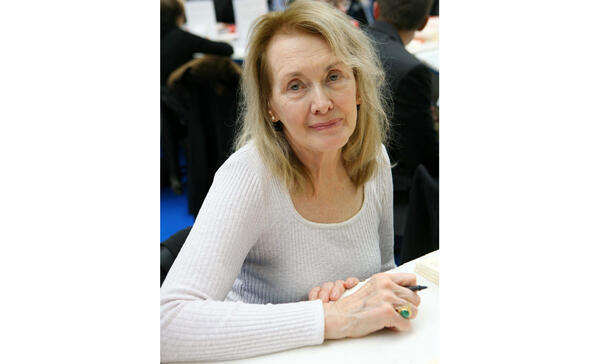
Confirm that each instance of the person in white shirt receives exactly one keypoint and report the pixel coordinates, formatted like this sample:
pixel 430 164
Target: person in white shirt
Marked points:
pixel 301 211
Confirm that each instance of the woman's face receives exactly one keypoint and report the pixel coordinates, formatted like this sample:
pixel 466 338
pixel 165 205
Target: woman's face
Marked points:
pixel 314 94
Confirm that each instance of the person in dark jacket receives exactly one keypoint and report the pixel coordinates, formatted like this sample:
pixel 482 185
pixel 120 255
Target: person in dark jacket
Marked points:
pixel 178 46
pixel 358 12
pixel 414 138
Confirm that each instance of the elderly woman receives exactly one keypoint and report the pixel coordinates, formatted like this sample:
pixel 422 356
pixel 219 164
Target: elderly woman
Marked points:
pixel 305 200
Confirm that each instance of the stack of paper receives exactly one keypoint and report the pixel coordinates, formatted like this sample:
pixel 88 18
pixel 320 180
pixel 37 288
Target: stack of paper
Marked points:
pixel 429 267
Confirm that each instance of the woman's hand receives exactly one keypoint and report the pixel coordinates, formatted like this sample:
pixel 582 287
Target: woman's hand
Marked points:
pixel 372 307
pixel 330 291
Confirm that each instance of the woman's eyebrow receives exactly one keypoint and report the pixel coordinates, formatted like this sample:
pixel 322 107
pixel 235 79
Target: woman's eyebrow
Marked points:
pixel 298 73
pixel 292 74
pixel 335 64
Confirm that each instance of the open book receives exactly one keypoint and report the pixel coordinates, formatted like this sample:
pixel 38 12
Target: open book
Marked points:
pixel 429 267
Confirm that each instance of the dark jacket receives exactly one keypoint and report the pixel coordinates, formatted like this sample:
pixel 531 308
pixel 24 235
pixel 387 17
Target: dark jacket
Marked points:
pixel 178 46
pixel 421 235
pixel 208 91
pixel 414 139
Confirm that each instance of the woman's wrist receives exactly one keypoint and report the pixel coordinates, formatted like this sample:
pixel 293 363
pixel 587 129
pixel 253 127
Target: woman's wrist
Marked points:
pixel 335 323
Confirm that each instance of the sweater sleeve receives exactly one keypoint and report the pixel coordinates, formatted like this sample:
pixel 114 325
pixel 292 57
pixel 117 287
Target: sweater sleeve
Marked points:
pixel 386 223
pixel 196 324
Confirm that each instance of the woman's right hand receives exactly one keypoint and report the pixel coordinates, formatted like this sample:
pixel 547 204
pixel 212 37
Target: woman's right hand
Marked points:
pixel 330 291
pixel 372 307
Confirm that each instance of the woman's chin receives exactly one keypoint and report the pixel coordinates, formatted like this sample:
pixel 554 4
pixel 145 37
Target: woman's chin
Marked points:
pixel 331 144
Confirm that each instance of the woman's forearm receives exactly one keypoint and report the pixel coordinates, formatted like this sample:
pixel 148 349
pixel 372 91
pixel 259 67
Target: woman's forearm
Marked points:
pixel 214 330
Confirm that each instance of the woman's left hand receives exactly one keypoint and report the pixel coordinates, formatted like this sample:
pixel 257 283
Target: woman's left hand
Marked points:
pixel 331 291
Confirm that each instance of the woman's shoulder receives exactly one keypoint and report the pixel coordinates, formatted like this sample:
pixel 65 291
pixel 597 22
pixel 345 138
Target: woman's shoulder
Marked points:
pixel 381 184
pixel 246 155
pixel 247 160
pixel 383 159
pixel 383 172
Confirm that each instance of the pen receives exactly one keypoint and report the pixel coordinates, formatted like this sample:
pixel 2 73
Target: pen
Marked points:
pixel 416 288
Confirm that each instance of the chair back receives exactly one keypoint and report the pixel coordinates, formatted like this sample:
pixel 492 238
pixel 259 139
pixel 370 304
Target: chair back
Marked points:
pixel 169 250
pixel 208 87
pixel 421 234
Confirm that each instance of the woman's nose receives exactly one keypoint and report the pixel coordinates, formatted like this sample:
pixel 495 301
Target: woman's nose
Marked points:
pixel 321 103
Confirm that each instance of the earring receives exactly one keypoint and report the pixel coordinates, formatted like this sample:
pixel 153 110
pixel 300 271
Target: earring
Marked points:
pixel 357 107
pixel 277 125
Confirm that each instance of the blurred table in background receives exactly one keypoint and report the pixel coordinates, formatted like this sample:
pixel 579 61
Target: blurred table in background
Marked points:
pixel 425 45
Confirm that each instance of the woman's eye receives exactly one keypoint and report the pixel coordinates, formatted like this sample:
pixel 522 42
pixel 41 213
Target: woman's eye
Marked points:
pixel 294 86
pixel 334 76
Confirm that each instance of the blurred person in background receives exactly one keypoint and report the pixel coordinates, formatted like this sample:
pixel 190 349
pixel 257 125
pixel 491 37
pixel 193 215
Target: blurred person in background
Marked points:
pixel 352 8
pixel 414 137
pixel 177 47
pixel 360 11
pixel 224 11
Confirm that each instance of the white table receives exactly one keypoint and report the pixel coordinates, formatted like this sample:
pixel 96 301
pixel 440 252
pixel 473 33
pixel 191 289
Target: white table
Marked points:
pixel 430 55
pixel 420 345
pixel 425 45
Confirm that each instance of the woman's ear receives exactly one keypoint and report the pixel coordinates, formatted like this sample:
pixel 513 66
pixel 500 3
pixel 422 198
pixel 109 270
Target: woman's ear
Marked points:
pixel 273 116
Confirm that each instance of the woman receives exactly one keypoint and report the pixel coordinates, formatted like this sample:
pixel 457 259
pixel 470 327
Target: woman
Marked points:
pixel 305 199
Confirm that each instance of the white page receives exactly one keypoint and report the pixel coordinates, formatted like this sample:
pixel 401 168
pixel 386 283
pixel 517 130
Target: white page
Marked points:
pixel 246 12
pixel 201 19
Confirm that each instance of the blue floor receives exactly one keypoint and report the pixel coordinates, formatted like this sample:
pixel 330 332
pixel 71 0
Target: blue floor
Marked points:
pixel 173 213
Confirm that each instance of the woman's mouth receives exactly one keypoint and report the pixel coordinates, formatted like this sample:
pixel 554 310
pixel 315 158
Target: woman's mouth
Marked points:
pixel 327 124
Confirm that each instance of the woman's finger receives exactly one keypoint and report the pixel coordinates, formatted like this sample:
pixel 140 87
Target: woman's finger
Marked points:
pixel 398 322
pixel 407 306
pixel 325 291
pixel 314 293
pixel 337 290
pixel 397 283
pixel 403 279
pixel 350 282
pixel 408 295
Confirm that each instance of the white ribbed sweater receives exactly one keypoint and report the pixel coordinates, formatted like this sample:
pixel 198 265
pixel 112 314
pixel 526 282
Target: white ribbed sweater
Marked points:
pixel 239 286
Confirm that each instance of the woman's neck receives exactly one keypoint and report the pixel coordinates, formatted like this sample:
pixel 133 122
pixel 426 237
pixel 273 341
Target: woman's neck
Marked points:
pixel 325 168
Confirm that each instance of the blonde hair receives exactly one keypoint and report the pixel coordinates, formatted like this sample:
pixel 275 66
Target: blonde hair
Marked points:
pixel 352 47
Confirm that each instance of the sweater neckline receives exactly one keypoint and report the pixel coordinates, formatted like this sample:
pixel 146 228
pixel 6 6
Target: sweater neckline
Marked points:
pixel 323 225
